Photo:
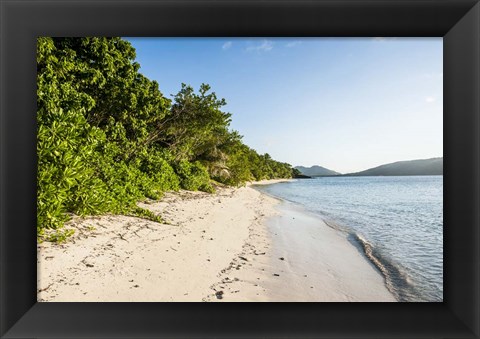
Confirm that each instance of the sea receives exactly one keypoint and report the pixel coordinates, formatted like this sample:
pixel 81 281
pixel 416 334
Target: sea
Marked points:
pixel 396 221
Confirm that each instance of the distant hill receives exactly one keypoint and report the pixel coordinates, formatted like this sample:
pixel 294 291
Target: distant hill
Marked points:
pixel 316 171
pixel 432 166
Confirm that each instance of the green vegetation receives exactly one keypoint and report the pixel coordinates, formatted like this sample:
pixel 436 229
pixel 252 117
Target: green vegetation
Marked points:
pixel 108 138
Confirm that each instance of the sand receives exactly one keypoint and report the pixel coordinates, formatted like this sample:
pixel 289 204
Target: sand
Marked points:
pixel 234 245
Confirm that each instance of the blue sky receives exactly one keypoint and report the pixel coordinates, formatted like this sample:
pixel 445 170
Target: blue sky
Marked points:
pixel 347 104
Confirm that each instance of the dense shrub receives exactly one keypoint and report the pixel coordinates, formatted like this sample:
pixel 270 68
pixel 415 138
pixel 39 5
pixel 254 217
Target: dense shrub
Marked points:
pixel 107 137
pixel 193 176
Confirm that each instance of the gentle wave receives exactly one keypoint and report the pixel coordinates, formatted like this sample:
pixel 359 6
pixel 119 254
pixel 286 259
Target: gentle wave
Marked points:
pixel 396 279
pixel 397 223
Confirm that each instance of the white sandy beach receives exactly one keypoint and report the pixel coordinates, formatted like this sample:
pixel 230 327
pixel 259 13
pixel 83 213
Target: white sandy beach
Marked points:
pixel 235 245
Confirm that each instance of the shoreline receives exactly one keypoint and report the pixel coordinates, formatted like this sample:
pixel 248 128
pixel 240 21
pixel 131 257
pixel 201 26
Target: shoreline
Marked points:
pixel 335 266
pixel 238 244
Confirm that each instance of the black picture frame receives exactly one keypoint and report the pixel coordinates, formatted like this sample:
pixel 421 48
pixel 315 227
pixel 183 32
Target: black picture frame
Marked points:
pixel 457 21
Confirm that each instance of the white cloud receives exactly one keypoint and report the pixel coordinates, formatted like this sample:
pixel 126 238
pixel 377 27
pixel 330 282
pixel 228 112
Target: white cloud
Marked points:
pixel 264 46
pixel 430 99
pixel 293 43
pixel 227 45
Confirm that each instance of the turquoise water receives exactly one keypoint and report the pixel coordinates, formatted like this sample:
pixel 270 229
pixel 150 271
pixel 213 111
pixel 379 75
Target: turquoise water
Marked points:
pixel 396 221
